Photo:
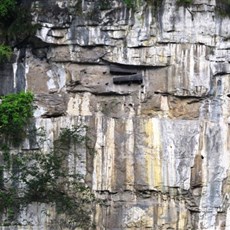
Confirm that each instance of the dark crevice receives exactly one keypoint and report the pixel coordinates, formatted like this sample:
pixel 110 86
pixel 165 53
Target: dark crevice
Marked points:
pixel 122 70
pixel 110 93
pixel 197 98
pixel 53 115
pixel 131 79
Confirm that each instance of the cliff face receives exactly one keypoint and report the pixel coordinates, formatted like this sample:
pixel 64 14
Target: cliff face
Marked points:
pixel 153 84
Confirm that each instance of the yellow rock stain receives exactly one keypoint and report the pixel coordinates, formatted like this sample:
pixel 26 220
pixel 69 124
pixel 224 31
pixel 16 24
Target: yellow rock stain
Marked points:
pixel 153 153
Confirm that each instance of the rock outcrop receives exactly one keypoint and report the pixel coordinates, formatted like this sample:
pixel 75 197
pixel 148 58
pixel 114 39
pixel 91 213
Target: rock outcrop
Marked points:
pixel 153 84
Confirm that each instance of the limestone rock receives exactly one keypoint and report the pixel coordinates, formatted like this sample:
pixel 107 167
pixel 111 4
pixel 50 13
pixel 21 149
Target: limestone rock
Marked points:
pixel 50 105
pixel 161 145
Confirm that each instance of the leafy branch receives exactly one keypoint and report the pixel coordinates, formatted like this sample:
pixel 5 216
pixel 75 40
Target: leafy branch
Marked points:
pixel 47 178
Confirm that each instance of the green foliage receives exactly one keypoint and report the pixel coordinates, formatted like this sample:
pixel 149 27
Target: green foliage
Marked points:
pixel 105 4
pixel 184 2
pixel 16 28
pixel 129 3
pixel 6 6
pixel 5 52
pixel 20 27
pixel 134 4
pixel 223 7
pixel 15 113
pixel 1 177
pixel 68 136
pixel 46 178
pixel 8 203
pixel 6 155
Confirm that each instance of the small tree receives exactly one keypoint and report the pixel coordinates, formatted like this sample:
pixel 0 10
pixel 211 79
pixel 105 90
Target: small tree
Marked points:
pixel 35 176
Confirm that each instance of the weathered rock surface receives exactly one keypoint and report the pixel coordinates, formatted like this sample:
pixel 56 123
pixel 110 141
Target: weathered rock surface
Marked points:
pixel 162 145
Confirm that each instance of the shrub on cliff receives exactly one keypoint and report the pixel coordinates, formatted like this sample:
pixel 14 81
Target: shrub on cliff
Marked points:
pixel 6 6
pixel 15 112
pixel 5 52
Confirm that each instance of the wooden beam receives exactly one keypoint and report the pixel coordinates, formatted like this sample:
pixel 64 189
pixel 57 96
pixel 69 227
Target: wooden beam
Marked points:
pixel 131 79
pixel 122 70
